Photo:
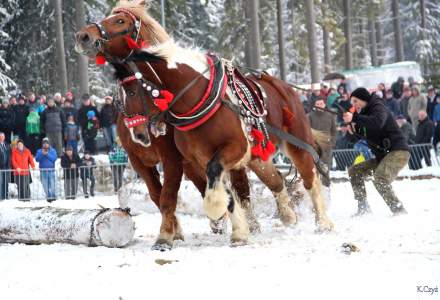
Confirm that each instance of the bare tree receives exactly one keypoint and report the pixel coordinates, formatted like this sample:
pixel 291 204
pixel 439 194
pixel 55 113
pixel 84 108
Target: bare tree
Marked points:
pixel 398 38
pixel 82 61
pixel 348 35
pixel 312 41
pixel 61 65
pixel 326 37
pixel 379 43
pixel 423 17
pixel 253 46
pixel 282 57
pixel 372 32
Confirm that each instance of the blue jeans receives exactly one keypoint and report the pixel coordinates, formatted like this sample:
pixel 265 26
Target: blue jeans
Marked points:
pixel 48 181
pixel 74 144
pixel 4 184
pixel 110 135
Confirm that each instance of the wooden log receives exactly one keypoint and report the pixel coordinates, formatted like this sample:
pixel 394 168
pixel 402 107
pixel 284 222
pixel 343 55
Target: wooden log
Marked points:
pixel 47 225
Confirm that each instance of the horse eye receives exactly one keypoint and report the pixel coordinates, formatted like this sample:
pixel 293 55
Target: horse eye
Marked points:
pixel 131 93
pixel 120 21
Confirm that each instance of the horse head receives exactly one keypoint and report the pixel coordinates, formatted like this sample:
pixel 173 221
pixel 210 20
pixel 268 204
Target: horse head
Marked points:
pixel 133 105
pixel 128 29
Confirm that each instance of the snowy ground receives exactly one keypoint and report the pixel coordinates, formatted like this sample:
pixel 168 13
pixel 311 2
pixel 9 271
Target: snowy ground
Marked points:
pixel 397 254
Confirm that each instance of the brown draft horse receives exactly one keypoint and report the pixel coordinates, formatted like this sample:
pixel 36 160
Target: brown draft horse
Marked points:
pixel 144 161
pixel 221 144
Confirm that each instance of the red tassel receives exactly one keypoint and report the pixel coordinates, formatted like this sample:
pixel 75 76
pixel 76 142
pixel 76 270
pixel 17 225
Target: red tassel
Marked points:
pixel 257 135
pixel 257 151
pixel 265 155
pixel 167 95
pixel 270 147
pixel 131 43
pixel 163 103
pixel 100 60
pixel 287 117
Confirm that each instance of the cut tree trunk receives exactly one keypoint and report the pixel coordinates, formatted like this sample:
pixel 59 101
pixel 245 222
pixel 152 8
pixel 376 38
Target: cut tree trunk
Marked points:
pixel 312 41
pixel 48 225
pixel 82 61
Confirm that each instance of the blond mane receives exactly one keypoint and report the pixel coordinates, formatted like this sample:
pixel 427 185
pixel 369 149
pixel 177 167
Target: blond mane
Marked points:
pixel 151 31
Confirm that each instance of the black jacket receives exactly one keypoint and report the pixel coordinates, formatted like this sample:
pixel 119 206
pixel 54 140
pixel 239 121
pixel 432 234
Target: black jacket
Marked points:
pixel 425 131
pixel 21 113
pixel 376 123
pixel 66 163
pixel 82 115
pixel 53 120
pixel 7 119
pixel 108 115
pixel 87 170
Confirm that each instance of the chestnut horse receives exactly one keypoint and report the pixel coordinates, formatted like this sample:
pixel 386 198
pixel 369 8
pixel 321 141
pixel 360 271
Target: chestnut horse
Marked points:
pixel 221 144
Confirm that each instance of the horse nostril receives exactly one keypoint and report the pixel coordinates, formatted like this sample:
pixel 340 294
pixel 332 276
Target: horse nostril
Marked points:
pixel 85 38
pixel 140 136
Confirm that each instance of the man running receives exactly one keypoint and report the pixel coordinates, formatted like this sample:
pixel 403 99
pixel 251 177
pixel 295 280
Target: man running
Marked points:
pixel 374 122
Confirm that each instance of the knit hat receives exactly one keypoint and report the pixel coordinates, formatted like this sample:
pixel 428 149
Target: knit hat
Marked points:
pixel 362 94
pixel 45 141
pixel 69 147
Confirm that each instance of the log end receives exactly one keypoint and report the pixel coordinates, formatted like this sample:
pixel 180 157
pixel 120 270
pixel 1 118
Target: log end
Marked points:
pixel 114 229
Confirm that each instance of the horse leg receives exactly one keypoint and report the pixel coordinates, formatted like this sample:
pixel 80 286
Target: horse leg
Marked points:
pixel 151 177
pixel 269 175
pixel 220 201
pixel 170 228
pixel 240 184
pixel 306 168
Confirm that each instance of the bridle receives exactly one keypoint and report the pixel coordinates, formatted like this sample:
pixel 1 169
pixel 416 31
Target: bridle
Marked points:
pixel 134 29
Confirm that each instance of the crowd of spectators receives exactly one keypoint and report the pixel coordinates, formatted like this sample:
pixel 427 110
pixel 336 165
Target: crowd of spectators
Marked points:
pixel 44 130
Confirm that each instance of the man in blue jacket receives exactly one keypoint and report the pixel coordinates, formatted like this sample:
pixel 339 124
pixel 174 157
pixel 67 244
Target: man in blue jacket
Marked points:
pixel 46 158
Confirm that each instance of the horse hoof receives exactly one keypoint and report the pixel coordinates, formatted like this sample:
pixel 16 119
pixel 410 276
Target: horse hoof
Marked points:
pixel 162 246
pixel 325 226
pixel 218 227
pixel 288 217
pixel 179 237
pixel 238 242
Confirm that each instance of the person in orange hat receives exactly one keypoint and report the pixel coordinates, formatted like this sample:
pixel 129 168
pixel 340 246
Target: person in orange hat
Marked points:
pixel 22 160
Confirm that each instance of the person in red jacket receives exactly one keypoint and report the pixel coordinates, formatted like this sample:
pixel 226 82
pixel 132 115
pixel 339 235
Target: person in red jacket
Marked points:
pixel 22 161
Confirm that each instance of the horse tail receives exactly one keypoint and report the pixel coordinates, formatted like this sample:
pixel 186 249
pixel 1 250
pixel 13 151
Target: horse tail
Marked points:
pixel 322 141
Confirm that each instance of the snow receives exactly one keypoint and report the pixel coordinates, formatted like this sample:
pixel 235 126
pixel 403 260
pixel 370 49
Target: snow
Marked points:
pixel 396 255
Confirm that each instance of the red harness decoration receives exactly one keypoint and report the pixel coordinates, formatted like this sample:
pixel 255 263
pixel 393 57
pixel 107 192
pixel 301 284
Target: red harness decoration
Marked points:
pixel 261 150
pixel 163 103
pixel 100 60
pixel 135 121
pixel 208 92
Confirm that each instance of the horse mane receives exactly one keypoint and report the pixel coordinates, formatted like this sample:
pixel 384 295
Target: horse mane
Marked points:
pixel 120 71
pixel 151 30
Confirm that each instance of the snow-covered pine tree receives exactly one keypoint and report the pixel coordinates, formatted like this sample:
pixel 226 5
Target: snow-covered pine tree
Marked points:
pixel 6 83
